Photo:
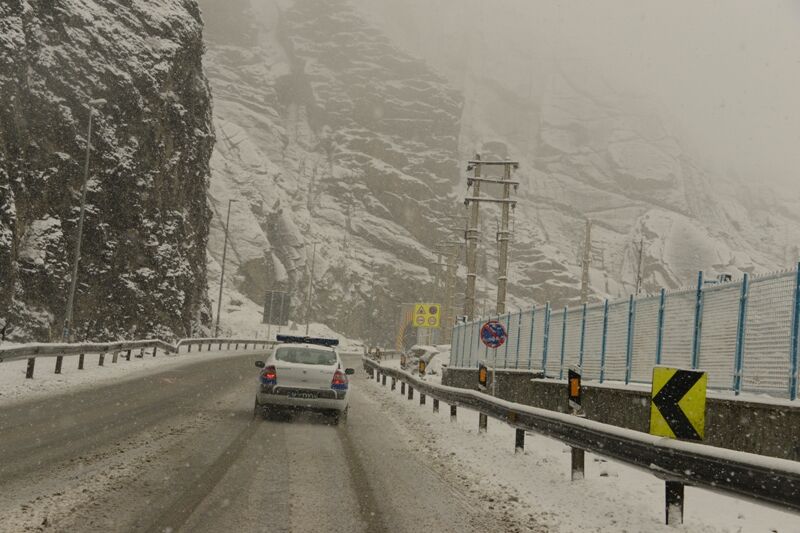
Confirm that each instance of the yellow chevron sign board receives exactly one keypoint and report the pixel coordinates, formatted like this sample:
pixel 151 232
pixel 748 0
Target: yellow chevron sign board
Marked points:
pixel 678 403
pixel 426 315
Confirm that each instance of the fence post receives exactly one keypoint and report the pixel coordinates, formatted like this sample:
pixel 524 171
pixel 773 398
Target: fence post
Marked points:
pixel 662 304
pixel 530 343
pixel 563 342
pixel 698 321
pixel 629 348
pixel 519 335
pixel 546 337
pixel 508 339
pixel 583 337
pixel 740 332
pixel 603 342
pixel 795 325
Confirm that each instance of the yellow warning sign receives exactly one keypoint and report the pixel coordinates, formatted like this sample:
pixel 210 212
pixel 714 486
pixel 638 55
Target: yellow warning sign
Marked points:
pixel 678 403
pixel 426 315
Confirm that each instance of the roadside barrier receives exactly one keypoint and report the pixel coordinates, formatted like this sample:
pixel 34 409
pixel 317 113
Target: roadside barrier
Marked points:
pixel 679 463
pixel 60 350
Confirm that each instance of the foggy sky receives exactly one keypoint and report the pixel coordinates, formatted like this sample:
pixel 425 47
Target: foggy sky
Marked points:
pixel 725 74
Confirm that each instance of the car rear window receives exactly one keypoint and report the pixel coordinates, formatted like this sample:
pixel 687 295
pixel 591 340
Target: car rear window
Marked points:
pixel 306 356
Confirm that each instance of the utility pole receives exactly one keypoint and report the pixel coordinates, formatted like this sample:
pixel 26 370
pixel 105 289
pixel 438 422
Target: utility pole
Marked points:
pixel 310 287
pixel 639 267
pixel 77 259
pixel 471 236
pixel 222 275
pixel 502 234
pixel 586 261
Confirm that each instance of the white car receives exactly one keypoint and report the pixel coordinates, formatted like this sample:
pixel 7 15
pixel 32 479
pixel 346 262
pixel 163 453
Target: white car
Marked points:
pixel 303 373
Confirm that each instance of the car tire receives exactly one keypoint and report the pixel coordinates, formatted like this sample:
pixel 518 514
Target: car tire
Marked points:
pixel 340 418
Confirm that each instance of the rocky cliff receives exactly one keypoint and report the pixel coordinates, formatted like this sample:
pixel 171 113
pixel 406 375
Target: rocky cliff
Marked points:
pixel 143 269
pixel 327 133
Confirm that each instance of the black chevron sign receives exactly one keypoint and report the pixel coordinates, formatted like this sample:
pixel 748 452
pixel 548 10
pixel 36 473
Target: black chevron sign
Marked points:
pixel 678 403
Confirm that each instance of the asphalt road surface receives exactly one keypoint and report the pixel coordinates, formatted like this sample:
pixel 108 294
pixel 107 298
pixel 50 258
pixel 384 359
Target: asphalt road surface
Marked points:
pixel 180 451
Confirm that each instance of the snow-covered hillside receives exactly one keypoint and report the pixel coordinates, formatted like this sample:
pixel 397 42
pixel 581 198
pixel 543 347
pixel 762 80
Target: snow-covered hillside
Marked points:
pixel 328 134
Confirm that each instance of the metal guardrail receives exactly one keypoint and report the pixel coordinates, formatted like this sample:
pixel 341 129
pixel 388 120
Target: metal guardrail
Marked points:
pixel 60 350
pixel 764 479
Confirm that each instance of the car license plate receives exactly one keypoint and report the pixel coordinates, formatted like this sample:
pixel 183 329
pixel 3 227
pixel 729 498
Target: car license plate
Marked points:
pixel 303 395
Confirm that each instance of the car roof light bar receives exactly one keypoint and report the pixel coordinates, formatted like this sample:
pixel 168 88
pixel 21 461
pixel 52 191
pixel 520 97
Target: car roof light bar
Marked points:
pixel 293 339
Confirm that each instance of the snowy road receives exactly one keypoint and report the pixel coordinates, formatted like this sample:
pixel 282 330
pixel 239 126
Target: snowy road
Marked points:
pixel 179 451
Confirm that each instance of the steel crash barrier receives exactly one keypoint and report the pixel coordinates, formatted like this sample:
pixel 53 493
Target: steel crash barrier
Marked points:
pixel 60 350
pixel 764 479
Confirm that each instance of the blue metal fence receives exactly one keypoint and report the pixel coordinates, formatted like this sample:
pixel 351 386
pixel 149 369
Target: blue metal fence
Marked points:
pixel 745 334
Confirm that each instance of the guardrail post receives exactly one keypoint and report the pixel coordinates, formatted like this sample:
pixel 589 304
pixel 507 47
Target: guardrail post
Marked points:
pixel 629 347
pixel 245 346
pixel 674 502
pixel 228 347
pixel 435 405
pixel 31 366
pixel 583 337
pixel 577 466
pixel 394 383
pixel 662 304
pixel 80 362
pixel 128 356
pixel 421 398
pixel 403 388
pixel 603 343
pixel 115 357
pixel 519 441
pixel 563 342
pixel 410 392
pixel 101 359
pixel 546 337
pixel 738 363
pixel 530 340
pixel 59 362
pixel 482 423
pixel 698 321
pixel 383 380
pixel 453 412
pixel 209 347
pixel 199 346
pixel 795 324
pixel 236 347
pixel 189 347
pixel 220 346
pixel 155 349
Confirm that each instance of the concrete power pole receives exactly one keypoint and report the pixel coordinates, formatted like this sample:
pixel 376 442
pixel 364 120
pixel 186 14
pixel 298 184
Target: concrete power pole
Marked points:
pixel 503 233
pixel 585 262
pixel 471 236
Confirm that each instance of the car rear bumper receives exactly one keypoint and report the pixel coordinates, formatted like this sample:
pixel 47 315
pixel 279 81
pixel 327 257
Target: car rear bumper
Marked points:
pixel 326 400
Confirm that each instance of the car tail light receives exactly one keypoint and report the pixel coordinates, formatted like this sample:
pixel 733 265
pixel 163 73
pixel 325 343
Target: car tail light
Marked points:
pixel 339 381
pixel 269 376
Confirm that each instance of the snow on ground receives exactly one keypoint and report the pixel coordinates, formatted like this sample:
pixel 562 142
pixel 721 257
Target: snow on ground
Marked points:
pixel 14 386
pixel 534 486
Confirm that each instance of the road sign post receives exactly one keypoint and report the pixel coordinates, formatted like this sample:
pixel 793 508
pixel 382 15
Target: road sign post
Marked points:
pixel 493 335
